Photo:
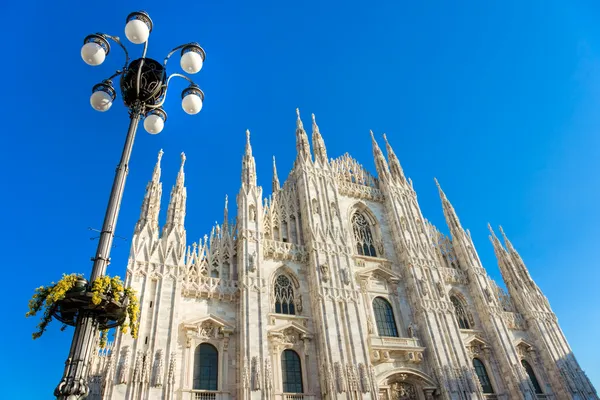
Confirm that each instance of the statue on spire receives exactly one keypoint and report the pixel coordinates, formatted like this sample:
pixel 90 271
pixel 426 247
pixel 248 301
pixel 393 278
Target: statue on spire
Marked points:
pixel 276 185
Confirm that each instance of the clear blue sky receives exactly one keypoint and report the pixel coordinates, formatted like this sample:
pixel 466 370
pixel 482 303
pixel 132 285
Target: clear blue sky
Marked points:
pixel 499 101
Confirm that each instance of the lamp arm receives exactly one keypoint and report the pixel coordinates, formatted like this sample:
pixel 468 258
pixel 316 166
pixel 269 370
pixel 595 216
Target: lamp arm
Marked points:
pixel 167 88
pixel 118 41
pixel 175 50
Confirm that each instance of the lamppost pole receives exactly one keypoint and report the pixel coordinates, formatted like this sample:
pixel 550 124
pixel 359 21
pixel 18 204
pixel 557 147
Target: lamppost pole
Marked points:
pixel 102 258
pixel 143 84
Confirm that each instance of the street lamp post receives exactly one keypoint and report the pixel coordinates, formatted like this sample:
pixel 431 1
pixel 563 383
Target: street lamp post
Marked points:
pixel 143 83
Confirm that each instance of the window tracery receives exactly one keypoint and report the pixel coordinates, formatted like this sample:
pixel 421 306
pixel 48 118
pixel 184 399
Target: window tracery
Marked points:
pixel 461 315
pixel 284 296
pixel 363 236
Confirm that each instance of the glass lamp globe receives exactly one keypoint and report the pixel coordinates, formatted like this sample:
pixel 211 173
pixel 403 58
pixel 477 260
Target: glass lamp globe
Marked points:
pixel 94 50
pixel 191 99
pixel 192 58
pixel 103 95
pixel 138 27
pixel 154 122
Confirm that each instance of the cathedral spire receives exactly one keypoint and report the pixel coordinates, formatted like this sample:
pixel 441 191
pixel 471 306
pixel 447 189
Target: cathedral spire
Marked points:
pixel 450 214
pixel 518 262
pixel 225 212
pixel 176 210
pixel 380 163
pixel 151 203
pixel 318 143
pixel 276 185
pixel 248 164
pixel 302 146
pixel 395 167
pixel 509 274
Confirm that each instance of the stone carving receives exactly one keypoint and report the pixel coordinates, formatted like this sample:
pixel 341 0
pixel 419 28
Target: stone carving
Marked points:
pixel 283 251
pixel 373 379
pixel 159 369
pixel 108 373
pixel 345 276
pixel 339 377
pixel 124 369
pixel 412 330
pixel 440 288
pixel 488 295
pixel 424 288
pixel 252 262
pixel 268 374
pixel 256 375
pixel 290 336
pixel 351 373
pixel 208 330
pixel 172 366
pixel 245 374
pixel 329 380
pixel 146 364
pixel 370 326
pixel 324 272
pixel 137 368
pixel 469 375
pixel 403 391
pixel 364 378
pixel 299 303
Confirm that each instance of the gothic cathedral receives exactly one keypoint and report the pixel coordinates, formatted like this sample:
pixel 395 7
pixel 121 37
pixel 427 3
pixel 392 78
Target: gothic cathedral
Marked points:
pixel 333 287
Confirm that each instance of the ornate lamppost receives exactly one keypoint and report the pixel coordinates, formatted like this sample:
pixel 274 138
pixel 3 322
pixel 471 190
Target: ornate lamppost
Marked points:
pixel 143 83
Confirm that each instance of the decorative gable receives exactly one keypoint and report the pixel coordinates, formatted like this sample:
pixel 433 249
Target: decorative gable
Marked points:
pixel 289 335
pixel 205 328
pixel 477 346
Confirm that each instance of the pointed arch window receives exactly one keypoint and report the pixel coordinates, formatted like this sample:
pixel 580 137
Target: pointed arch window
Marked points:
pixel 284 296
pixel 365 244
pixel 206 367
pixel 291 372
pixel 482 375
pixel 384 317
pixel 461 314
pixel 532 377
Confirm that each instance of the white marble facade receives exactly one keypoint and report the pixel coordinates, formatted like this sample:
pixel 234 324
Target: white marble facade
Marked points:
pixel 333 287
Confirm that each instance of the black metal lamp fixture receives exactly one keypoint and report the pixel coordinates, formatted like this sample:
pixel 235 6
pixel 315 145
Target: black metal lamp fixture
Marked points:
pixel 143 83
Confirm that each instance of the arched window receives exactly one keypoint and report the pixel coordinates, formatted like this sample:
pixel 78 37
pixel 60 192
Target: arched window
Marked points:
pixel 206 367
pixel 365 245
pixel 482 375
pixel 384 317
pixel 284 296
pixel 461 314
pixel 534 381
pixel 291 371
